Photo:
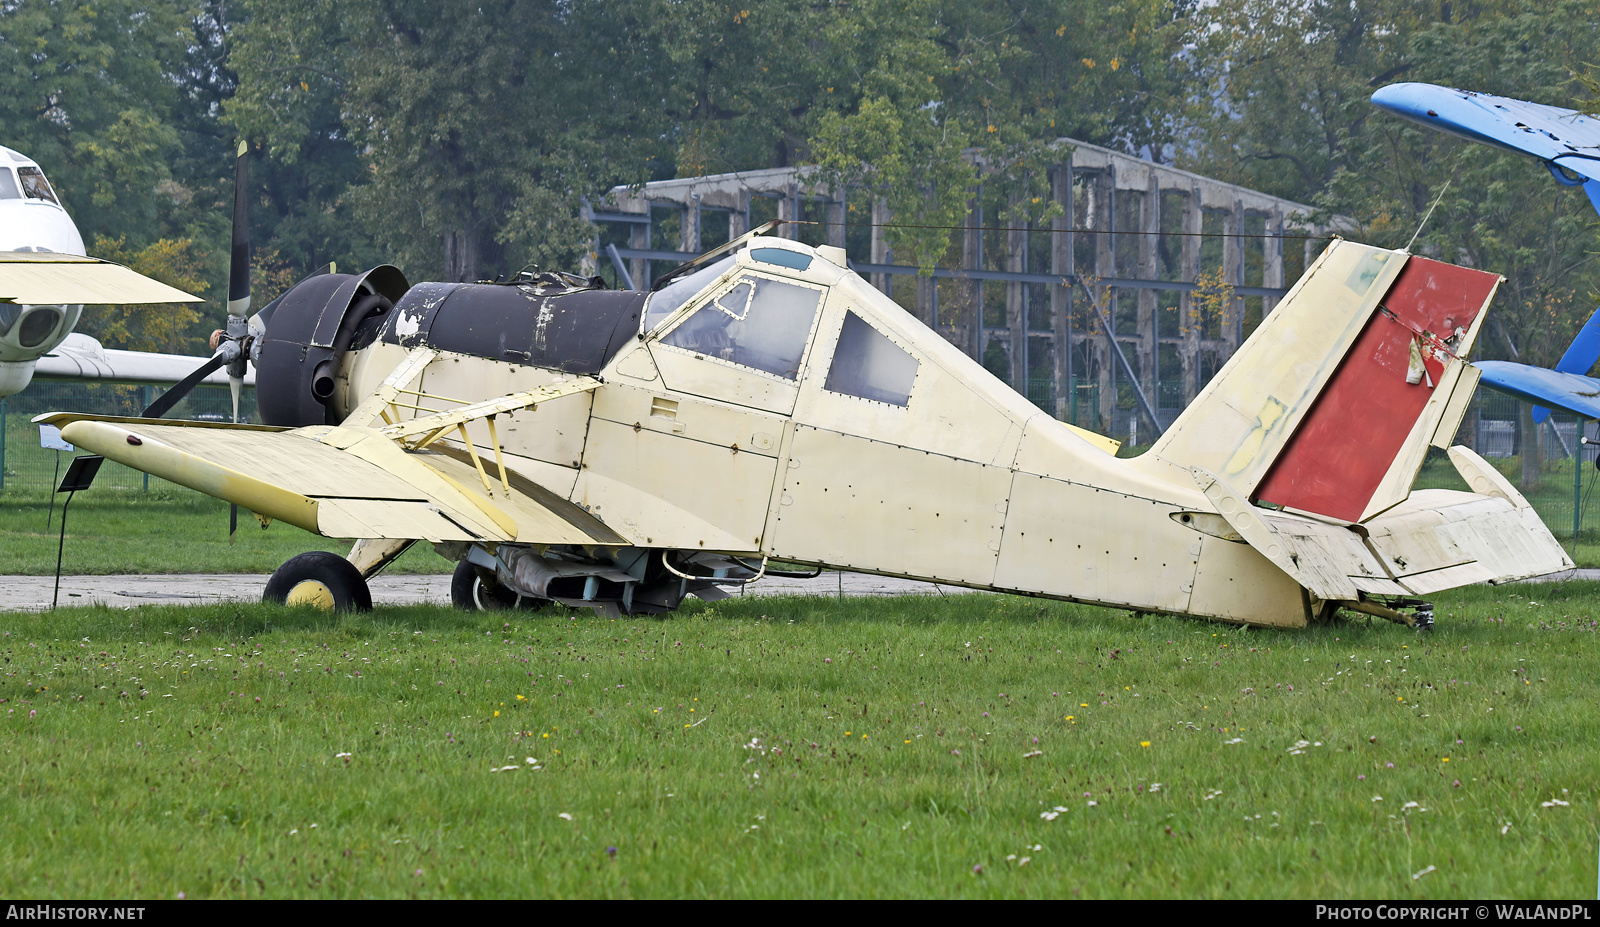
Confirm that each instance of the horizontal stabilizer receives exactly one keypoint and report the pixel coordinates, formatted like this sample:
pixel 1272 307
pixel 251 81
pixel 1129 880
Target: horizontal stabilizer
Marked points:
pixel 1437 539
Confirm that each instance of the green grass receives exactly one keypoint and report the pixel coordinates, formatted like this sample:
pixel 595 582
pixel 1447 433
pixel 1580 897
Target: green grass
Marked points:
pixel 175 531
pixel 801 747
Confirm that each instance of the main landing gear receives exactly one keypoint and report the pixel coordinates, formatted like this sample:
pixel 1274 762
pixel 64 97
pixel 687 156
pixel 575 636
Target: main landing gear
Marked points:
pixel 321 579
pixel 474 589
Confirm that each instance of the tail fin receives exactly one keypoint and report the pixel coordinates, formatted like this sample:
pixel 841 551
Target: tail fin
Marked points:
pixel 1331 404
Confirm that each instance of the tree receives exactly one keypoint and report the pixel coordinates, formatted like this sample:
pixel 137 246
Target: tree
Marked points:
pixel 925 82
pixel 166 328
pixel 480 126
pixel 1288 110
pixel 89 90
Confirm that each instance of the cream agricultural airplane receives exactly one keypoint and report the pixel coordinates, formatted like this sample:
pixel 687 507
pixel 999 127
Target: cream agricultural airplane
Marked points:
pixel 622 450
pixel 45 281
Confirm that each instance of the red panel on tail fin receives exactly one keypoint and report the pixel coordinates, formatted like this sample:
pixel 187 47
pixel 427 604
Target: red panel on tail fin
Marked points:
pixel 1340 452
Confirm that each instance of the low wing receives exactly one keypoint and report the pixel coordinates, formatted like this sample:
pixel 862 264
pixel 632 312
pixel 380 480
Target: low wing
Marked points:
pixel 45 278
pixel 353 482
pixel 1569 391
pixel 80 357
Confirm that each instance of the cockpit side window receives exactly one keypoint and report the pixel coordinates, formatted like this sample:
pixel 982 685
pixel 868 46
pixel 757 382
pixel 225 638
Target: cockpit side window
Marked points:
pixel 665 301
pixel 8 185
pixel 35 186
pixel 868 365
pixel 757 323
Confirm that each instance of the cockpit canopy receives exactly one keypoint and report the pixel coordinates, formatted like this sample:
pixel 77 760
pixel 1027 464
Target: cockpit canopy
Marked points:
pixel 27 182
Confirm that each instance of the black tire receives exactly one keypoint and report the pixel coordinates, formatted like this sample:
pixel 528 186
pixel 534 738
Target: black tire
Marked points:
pixel 319 578
pixel 471 591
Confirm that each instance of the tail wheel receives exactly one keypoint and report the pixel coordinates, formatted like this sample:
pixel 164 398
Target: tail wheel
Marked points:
pixel 471 591
pixel 322 579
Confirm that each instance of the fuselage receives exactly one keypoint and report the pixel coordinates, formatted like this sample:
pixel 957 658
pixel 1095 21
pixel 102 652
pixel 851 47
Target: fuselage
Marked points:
pixel 31 219
pixel 839 430
pixel 769 404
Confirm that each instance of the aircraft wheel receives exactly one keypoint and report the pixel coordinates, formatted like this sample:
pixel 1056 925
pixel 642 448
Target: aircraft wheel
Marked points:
pixel 325 580
pixel 470 591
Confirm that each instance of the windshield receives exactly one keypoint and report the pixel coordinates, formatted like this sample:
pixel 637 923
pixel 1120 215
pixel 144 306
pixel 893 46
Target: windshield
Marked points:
pixel 667 299
pixel 759 323
pixel 8 185
pixel 35 186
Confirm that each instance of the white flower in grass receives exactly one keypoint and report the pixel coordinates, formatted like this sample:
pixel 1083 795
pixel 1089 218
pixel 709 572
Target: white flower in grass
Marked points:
pixel 564 816
pixel 1555 803
pixel 1049 815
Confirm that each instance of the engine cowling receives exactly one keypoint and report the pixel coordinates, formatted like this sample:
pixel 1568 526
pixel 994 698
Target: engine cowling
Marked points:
pixel 307 333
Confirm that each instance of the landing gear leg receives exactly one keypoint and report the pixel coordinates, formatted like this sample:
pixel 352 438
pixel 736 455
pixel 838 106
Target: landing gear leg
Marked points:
pixel 1420 617
pixel 371 555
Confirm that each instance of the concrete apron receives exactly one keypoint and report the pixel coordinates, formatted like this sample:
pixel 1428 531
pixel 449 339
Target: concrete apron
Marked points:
pixel 32 593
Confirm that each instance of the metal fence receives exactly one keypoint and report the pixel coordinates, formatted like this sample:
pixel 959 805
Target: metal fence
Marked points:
pixel 1560 486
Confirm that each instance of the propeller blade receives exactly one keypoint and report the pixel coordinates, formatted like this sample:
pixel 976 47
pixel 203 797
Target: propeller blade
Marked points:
pixel 239 292
pixel 170 398
pixel 239 257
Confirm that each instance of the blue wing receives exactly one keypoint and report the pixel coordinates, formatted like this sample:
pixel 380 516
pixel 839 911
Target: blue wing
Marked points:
pixel 1580 356
pixel 1569 391
pixel 1562 137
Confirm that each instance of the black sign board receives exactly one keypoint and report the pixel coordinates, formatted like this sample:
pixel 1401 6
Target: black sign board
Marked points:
pixel 81 474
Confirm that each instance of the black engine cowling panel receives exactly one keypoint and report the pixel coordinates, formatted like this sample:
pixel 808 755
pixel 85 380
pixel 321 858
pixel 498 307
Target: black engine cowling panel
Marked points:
pixel 573 330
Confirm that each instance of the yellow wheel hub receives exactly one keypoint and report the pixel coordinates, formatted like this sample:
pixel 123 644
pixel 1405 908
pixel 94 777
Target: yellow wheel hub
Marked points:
pixel 311 592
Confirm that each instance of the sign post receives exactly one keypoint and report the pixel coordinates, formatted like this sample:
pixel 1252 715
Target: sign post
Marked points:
pixel 80 475
pixel 50 439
